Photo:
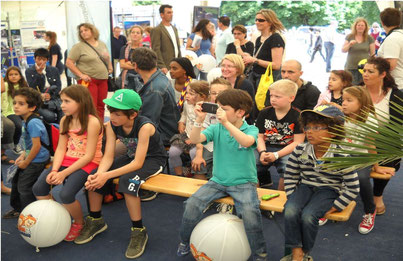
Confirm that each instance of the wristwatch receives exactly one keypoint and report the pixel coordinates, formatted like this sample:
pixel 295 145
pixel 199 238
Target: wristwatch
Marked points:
pixel 276 155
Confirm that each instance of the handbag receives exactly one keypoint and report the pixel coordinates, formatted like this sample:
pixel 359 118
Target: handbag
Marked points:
pixel 112 87
pixel 265 81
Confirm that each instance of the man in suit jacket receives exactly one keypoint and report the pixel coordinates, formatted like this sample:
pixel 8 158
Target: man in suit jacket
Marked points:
pixel 165 39
pixel 46 79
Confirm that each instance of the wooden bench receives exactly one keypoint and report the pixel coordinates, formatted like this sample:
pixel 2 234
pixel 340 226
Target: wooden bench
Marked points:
pixel 186 187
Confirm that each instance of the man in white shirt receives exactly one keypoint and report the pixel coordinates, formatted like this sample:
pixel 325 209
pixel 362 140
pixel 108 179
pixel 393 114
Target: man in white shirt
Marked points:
pixel 392 47
pixel 165 39
pixel 224 39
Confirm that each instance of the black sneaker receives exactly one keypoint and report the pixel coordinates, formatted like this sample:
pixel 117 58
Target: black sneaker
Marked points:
pixel 147 195
pixel 138 241
pixel 92 227
pixel 11 214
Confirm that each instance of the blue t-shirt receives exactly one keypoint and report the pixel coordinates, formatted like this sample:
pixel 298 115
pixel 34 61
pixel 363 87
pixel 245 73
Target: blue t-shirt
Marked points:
pixel 205 46
pixel 35 129
pixel 233 164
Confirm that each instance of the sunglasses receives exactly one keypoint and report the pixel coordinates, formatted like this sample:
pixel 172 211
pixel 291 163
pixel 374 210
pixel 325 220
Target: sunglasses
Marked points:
pixel 260 20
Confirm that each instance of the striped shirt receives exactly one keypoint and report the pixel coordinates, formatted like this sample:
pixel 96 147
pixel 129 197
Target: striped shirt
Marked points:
pixel 303 167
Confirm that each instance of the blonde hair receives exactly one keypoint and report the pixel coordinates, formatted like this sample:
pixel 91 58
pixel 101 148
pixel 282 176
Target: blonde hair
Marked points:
pixel 136 26
pixel 221 81
pixel 200 87
pixel 286 87
pixel 94 30
pixel 354 30
pixel 237 61
pixel 364 98
pixel 271 17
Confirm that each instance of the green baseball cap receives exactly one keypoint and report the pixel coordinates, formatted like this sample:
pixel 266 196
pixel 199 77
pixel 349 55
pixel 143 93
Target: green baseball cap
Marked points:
pixel 124 99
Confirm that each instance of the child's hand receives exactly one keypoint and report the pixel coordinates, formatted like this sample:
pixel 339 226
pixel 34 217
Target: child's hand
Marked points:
pixel 269 157
pixel 22 164
pixel 221 115
pixel 20 158
pixel 263 158
pixel 97 181
pixel 188 142
pixel 196 163
pixel 59 178
pixel 181 127
pixel 50 178
pixel 87 184
pixel 200 115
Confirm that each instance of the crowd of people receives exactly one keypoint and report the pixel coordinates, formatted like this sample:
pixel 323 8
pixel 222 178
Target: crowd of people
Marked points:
pixel 215 126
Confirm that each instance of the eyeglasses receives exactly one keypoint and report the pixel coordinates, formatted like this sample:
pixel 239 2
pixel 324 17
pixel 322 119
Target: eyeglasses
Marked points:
pixel 315 128
pixel 260 20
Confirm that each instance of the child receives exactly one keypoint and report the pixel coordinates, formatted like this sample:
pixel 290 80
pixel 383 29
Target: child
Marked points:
pixel 313 192
pixel 145 157
pixel 78 153
pixel 234 170
pixel 33 160
pixel 202 163
pixel 357 105
pixel 279 132
pixel 338 80
pixel 196 91
pixel 13 81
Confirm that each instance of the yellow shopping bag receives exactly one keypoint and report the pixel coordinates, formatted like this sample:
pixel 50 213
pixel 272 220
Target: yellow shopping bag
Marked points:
pixel 265 81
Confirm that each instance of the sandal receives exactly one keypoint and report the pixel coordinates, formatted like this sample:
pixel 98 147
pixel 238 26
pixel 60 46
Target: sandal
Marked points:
pixel 6 160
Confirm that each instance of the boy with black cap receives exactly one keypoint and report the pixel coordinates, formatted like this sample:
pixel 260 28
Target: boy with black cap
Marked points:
pixel 145 157
pixel 313 192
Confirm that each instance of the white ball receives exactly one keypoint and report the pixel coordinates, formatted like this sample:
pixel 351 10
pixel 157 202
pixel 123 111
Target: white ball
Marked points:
pixel 192 56
pixel 44 223
pixel 214 74
pixel 207 62
pixel 220 237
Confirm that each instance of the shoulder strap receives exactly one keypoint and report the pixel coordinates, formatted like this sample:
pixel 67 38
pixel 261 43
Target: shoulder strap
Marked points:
pixel 34 116
pixel 99 56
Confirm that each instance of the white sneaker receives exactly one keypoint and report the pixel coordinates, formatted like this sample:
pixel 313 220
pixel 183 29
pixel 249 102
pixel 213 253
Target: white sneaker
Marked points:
pixel 322 221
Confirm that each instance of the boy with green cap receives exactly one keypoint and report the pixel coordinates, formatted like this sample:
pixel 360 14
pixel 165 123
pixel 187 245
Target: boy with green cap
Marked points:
pixel 145 157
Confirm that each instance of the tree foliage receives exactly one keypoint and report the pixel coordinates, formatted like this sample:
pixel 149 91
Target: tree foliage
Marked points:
pixel 297 13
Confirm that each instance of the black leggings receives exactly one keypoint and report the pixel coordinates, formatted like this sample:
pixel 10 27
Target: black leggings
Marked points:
pixel 380 184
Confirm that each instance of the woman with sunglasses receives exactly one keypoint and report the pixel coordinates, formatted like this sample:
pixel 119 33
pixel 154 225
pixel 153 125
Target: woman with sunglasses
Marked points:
pixel 269 46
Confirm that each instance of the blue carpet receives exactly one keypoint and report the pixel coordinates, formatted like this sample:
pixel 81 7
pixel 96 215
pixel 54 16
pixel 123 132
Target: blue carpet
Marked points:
pixel 162 217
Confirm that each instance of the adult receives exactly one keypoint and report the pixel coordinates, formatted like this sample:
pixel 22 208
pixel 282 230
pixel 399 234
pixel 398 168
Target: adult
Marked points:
pixel 329 39
pixel 46 79
pixel 182 73
pixel 240 45
pixel 55 52
pixel 89 60
pixel 318 46
pixel 118 41
pixel 130 79
pixel 165 39
pixel 224 38
pixel 383 90
pixel 157 94
pixel 392 47
pixel 307 95
pixel 358 46
pixel 200 41
pixel 269 46
pixel 374 32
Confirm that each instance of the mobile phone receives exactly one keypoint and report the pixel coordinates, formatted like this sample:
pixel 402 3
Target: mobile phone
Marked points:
pixel 270 196
pixel 209 107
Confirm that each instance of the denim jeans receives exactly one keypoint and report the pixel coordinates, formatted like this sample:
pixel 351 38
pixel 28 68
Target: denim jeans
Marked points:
pixel 329 48
pixel 246 204
pixel 304 207
pixel 279 164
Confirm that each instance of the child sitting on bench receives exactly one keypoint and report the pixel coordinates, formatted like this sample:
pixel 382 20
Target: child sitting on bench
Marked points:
pixel 145 157
pixel 311 191
pixel 234 170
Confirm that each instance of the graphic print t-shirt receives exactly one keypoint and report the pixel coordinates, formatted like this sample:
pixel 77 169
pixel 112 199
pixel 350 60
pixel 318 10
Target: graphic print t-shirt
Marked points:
pixel 278 133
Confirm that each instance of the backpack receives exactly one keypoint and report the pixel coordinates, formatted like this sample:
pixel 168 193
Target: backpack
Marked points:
pixel 53 133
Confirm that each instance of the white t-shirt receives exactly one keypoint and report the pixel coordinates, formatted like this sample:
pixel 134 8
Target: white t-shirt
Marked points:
pixel 382 108
pixel 392 47
pixel 223 40
pixel 350 126
pixel 173 38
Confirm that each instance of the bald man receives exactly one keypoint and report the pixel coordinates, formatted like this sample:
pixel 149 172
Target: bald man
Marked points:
pixel 307 95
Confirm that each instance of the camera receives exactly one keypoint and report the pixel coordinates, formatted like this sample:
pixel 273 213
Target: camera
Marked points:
pixel 209 107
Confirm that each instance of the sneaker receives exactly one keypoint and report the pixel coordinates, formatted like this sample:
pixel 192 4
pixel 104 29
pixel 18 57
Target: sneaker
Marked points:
pixel 92 227
pixel 74 232
pixel 367 224
pixel 183 249
pixel 138 241
pixel 11 214
pixel 147 195
pixel 322 221
pixel 225 208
